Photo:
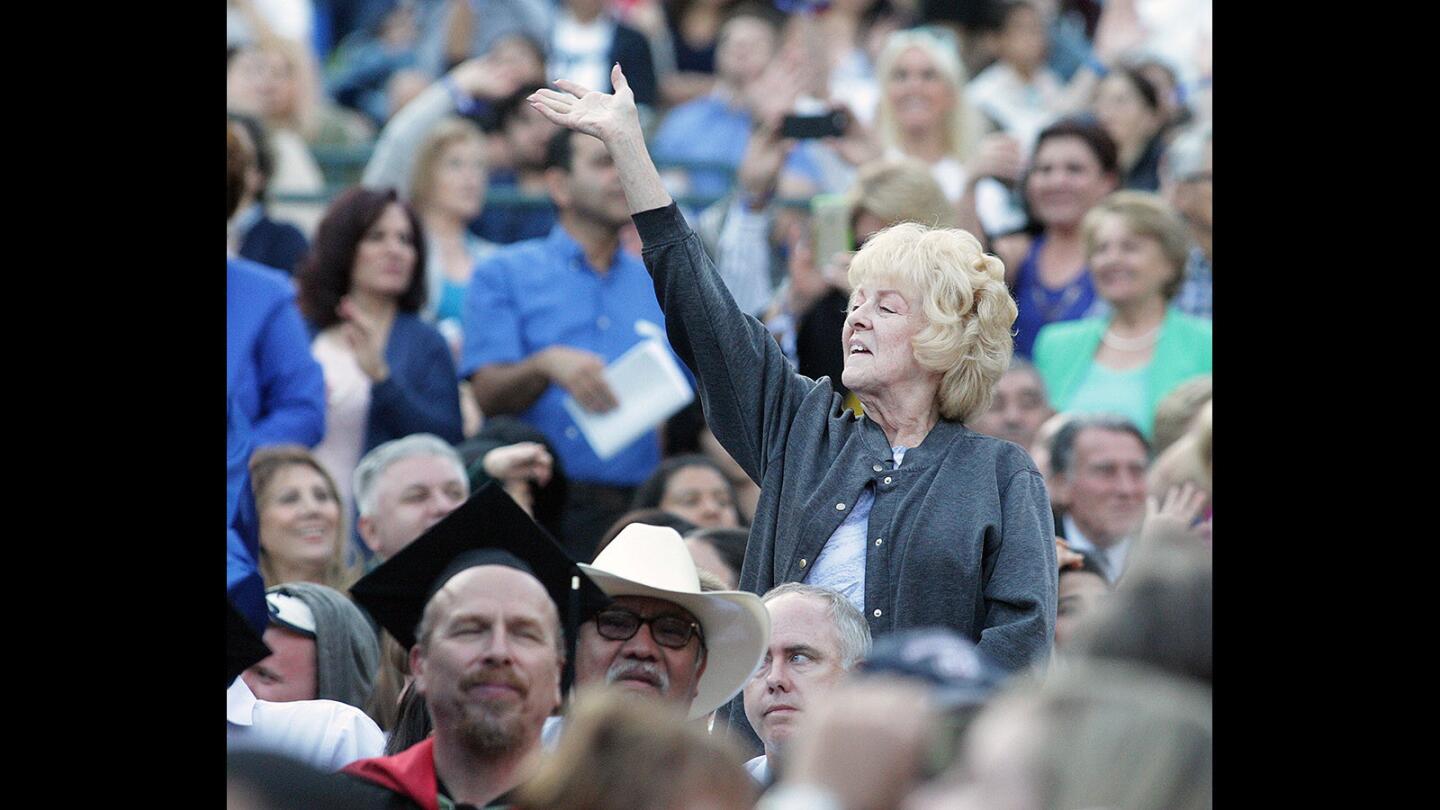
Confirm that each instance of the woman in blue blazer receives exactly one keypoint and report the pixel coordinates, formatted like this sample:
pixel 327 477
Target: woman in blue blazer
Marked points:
pixel 388 373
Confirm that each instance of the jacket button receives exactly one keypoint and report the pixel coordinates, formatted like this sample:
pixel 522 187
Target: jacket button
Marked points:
pixel 802 562
pixel 879 541
pixel 877 613
pixel 877 468
pixel 887 479
pixel 840 507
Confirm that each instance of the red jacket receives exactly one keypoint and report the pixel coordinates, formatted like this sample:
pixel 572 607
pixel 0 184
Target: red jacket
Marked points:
pixel 410 773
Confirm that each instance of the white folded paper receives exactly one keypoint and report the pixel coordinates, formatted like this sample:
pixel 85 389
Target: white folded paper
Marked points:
pixel 650 387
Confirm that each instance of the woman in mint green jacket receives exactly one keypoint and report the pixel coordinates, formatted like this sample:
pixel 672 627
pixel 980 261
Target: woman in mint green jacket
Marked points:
pixel 1127 361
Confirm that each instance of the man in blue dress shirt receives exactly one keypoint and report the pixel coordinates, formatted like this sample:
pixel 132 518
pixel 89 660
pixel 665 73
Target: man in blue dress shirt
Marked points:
pixel 543 318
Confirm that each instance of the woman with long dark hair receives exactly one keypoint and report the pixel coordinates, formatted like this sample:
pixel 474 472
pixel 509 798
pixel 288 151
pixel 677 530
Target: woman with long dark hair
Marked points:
pixel 388 374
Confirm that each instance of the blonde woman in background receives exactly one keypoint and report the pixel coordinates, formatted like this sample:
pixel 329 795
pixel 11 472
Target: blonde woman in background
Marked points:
pixel 276 80
pixel 923 114
pixel 1127 361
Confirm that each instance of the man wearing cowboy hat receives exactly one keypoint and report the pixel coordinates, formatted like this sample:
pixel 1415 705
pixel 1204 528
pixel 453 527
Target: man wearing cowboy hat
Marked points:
pixel 663 636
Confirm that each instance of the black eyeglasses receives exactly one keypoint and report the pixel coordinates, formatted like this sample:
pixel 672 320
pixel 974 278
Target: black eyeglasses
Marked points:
pixel 668 630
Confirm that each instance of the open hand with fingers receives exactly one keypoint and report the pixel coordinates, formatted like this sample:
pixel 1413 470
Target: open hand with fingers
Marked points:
pixel 1176 515
pixel 614 120
pixel 606 116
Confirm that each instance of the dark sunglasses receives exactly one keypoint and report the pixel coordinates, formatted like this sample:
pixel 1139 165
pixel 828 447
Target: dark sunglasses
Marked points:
pixel 667 630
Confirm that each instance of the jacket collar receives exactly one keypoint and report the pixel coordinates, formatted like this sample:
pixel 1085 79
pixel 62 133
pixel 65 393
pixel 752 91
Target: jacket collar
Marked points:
pixel 935 445
pixel 565 245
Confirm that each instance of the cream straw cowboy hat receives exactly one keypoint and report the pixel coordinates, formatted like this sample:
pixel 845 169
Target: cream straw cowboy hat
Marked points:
pixel 653 561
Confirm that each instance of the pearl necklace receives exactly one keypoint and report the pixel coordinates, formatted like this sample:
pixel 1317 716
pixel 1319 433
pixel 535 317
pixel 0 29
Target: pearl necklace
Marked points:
pixel 1133 344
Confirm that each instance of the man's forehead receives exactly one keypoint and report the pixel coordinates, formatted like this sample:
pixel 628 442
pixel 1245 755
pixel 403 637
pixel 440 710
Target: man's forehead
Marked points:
pixel 798 619
pixel 1020 379
pixel 745 24
pixel 420 469
pixel 650 606
pixel 494 586
pixel 1095 442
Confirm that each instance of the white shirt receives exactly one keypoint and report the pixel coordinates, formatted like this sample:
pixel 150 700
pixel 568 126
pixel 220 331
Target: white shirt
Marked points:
pixel 1022 108
pixel 326 734
pixel 1111 559
pixel 580 51
pixel 841 562
pixel 759 769
pixel 347 409
pixel 550 732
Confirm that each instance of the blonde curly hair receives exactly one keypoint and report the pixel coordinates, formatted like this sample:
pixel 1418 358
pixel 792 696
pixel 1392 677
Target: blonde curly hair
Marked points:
pixel 968 309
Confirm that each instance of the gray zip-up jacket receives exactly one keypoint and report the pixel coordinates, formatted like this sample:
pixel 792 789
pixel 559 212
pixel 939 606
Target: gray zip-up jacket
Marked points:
pixel 961 536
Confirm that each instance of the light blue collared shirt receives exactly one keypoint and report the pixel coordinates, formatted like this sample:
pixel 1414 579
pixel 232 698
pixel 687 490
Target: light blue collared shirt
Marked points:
pixel 841 564
pixel 542 292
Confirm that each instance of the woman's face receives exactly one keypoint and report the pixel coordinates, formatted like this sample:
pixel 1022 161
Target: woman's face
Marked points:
pixel 1080 593
pixel 1065 181
pixel 460 177
pixel 1127 267
pixel 262 82
pixel 1024 39
pixel 878 338
pixel 701 496
pixel 385 257
pixel 299 517
pixel 1121 110
pixel 918 93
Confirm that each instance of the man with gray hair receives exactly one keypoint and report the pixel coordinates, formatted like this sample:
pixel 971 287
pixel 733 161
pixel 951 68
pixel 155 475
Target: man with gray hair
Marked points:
pixel 1098 464
pixel 1019 408
pixel 816 637
pixel 405 486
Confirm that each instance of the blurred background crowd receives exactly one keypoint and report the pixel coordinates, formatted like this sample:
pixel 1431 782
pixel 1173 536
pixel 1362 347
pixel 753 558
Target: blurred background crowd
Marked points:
pixel 401 333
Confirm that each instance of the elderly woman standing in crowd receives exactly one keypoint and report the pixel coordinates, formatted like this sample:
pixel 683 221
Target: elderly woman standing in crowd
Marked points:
pixel 301 529
pixel 916 519
pixel 387 373
pixel 1128 361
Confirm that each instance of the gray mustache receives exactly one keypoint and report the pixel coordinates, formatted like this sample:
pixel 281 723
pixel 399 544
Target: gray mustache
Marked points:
pixel 638 669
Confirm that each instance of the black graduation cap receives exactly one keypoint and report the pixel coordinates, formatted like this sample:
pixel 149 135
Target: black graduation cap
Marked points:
pixel 488 529
pixel 243 646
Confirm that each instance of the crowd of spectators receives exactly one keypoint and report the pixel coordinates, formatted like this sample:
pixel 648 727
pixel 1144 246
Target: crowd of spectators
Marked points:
pixel 931 523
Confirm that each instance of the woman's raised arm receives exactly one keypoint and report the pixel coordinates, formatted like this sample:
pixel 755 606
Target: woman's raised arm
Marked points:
pixel 614 120
pixel 748 389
